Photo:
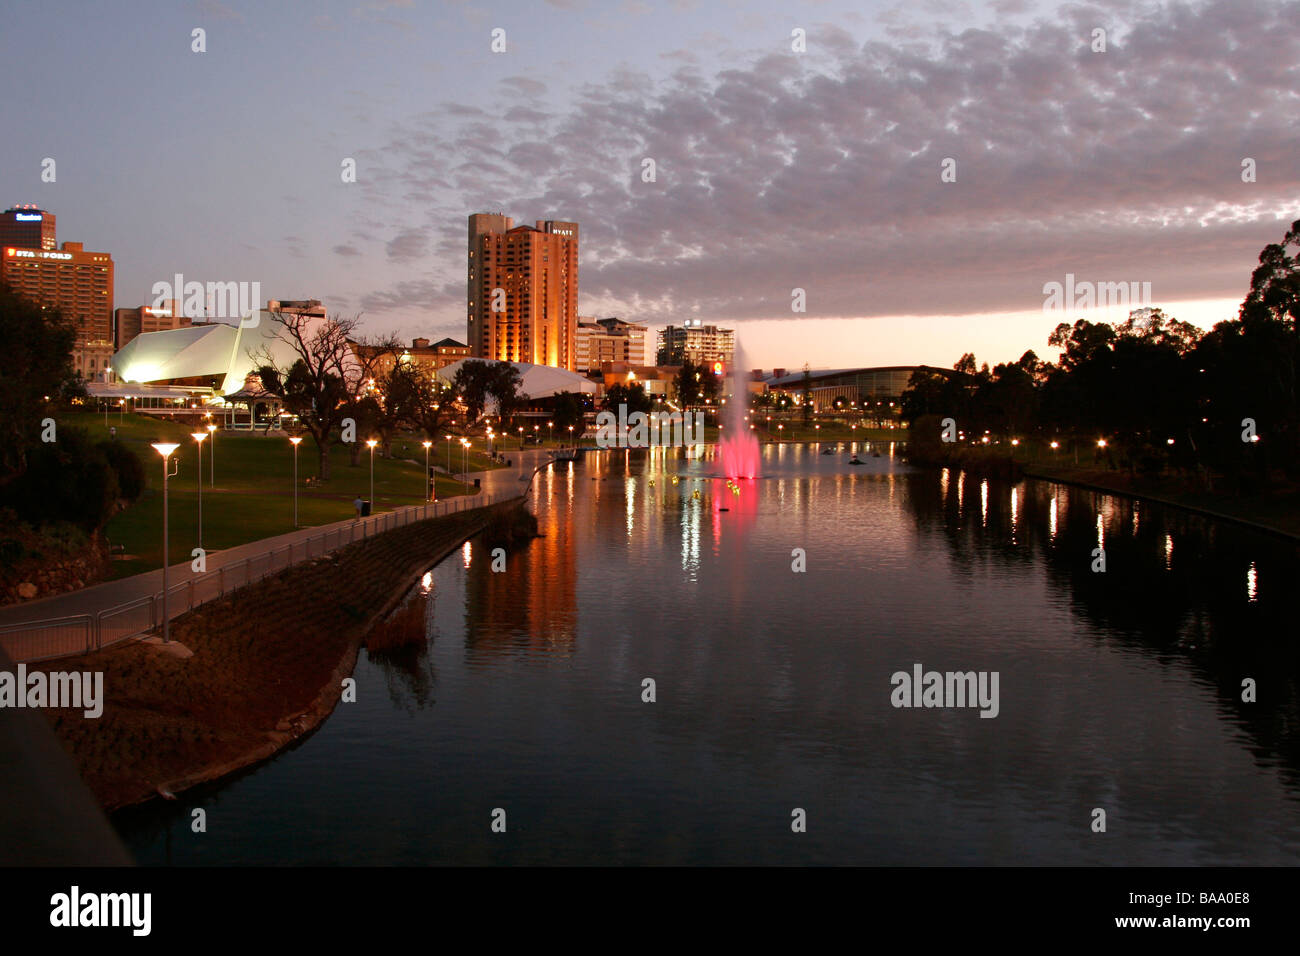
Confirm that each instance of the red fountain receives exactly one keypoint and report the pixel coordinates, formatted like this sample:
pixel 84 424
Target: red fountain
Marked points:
pixel 737 446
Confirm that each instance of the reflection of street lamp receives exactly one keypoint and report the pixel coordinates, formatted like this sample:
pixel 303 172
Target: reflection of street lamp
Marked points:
pixel 198 438
pixel 165 448
pixel 428 478
pixel 295 440
pixel 212 457
pixel 371 443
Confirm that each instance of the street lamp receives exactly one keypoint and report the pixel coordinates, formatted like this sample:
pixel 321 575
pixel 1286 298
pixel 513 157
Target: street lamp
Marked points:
pixel 165 448
pixel 448 437
pixel 570 434
pixel 428 478
pixel 550 432
pixel 521 437
pixel 464 458
pixel 198 438
pixel 212 457
pixel 295 442
pixel 371 443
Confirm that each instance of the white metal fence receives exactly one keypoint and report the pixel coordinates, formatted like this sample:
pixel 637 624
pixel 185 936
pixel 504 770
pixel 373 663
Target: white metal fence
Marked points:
pixel 82 633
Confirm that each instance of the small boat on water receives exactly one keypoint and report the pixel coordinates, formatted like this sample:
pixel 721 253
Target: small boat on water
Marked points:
pixel 855 460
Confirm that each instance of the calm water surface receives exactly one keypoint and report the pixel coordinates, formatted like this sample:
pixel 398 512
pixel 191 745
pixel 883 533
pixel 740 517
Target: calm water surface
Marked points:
pixel 1118 690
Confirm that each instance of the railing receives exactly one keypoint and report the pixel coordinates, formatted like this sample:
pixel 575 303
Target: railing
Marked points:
pixel 83 633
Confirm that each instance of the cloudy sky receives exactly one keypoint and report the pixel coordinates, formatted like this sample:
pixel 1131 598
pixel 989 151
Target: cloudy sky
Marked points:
pixel 774 169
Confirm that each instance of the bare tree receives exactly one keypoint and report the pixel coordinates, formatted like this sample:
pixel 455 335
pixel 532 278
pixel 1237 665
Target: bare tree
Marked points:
pixel 317 381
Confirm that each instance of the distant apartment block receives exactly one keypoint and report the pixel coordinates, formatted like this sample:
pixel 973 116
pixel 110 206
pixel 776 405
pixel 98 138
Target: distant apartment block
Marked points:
pixel 128 323
pixel 608 340
pixel 522 290
pixel 78 283
pixel 702 344
pixel 422 355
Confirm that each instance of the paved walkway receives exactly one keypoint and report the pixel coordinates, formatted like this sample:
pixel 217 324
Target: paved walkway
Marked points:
pixel 497 484
pixel 111 594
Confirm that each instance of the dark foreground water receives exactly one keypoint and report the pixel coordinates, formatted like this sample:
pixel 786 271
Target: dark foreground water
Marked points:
pixel 1117 691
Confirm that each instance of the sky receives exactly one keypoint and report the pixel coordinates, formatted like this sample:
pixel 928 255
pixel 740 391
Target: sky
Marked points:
pixel 775 169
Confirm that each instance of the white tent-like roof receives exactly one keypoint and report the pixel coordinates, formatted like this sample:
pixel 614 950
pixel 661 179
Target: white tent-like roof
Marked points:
pixel 538 381
pixel 195 351
pixel 212 349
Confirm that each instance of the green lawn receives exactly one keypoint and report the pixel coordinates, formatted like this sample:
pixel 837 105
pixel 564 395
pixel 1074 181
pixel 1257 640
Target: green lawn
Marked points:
pixel 253 494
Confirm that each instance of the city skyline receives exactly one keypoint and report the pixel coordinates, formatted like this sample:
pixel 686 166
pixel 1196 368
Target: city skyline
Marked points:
pixel 774 170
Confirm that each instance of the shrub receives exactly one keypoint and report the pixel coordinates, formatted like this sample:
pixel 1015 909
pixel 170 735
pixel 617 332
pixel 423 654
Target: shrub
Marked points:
pixel 66 480
pixel 127 466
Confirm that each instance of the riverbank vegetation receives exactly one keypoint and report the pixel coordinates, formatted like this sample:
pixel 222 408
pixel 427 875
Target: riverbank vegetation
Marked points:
pixel 1209 414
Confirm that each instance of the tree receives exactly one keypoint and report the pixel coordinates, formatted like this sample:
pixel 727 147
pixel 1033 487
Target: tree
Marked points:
pixel 365 403
pixel 568 408
pixel 38 371
pixel 1275 284
pixel 695 384
pixel 419 399
pixel 632 395
pixel 478 381
pixel 319 381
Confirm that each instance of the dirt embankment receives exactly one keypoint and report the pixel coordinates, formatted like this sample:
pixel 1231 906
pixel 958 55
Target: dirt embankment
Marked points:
pixel 268 661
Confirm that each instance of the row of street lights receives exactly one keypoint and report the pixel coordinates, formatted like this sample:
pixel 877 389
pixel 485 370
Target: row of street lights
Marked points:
pixel 166 449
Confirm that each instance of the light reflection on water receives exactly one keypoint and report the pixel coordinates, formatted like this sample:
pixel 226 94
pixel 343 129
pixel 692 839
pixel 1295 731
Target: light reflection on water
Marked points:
pixel 1119 690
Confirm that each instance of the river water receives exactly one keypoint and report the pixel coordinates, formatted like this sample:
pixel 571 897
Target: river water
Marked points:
pixel 773 736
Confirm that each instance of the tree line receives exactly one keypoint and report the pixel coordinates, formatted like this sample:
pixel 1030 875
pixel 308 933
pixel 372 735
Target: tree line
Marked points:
pixel 1159 392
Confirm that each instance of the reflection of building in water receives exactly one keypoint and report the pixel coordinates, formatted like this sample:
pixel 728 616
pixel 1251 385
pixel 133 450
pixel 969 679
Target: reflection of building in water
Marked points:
pixel 530 607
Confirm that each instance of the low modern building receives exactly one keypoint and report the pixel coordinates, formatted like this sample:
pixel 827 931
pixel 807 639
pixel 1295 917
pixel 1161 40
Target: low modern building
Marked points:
pixel 838 389
pixel 213 362
pixel 538 381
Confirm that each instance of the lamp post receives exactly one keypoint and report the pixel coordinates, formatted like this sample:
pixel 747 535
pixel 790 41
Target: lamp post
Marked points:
pixel 448 437
pixel 295 442
pixel 165 449
pixel 428 479
pixel 371 443
pixel 198 439
pixel 521 437
pixel 212 457
pixel 464 459
pixel 121 405
pixel 550 433
pixel 570 434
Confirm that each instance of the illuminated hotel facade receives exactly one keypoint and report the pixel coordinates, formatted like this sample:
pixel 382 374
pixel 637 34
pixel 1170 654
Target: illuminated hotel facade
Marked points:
pixel 78 283
pixel 522 290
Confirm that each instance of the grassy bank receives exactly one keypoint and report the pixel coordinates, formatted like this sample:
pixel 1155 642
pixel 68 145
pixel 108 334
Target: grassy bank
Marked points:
pixel 253 493
pixel 267 666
